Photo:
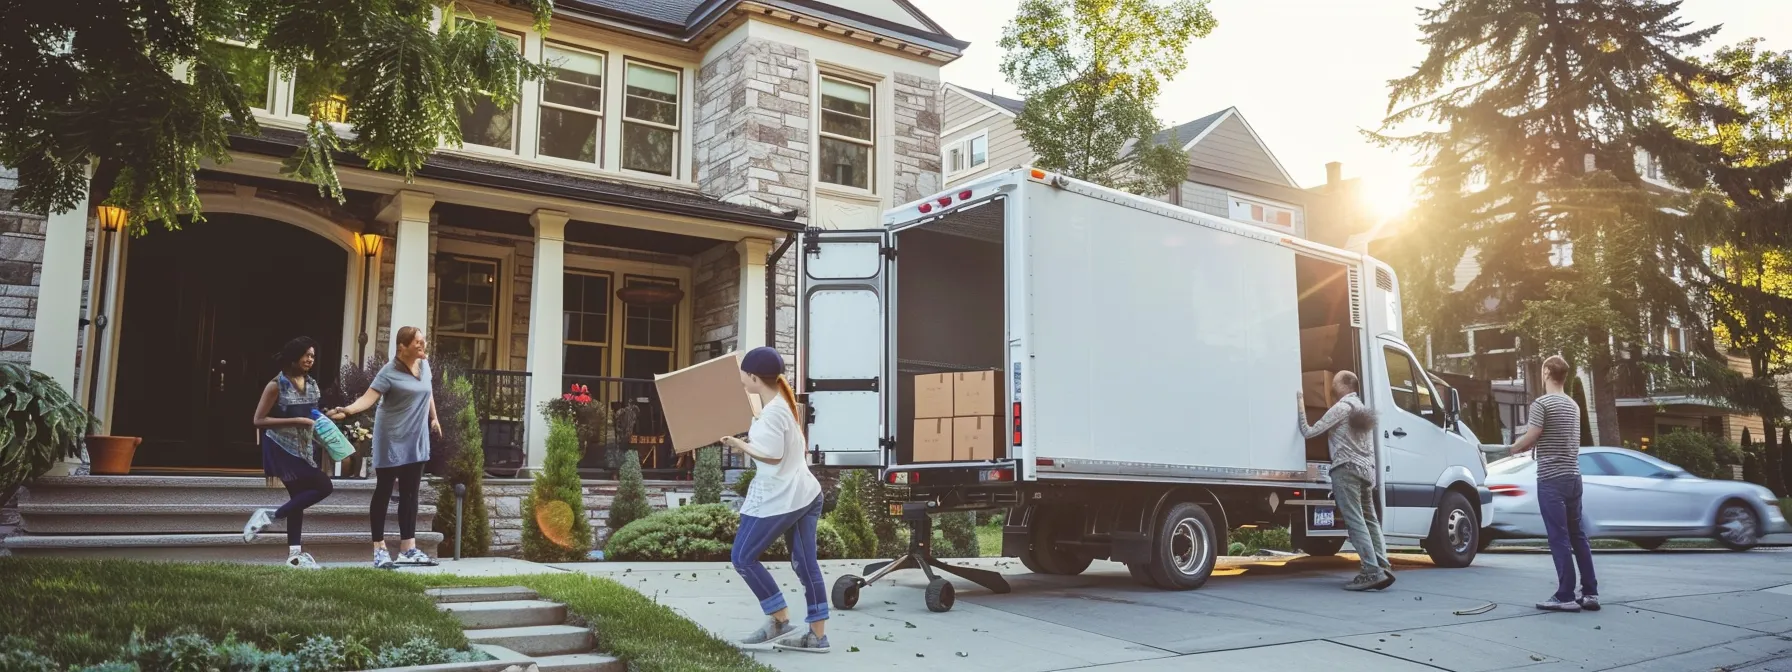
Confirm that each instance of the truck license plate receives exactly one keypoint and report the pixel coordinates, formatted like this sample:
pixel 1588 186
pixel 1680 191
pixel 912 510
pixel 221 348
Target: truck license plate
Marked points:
pixel 1325 518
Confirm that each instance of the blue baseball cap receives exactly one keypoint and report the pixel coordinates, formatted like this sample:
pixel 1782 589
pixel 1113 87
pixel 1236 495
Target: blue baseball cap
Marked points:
pixel 763 361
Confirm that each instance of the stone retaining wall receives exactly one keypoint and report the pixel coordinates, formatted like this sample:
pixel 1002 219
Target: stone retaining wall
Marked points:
pixel 504 508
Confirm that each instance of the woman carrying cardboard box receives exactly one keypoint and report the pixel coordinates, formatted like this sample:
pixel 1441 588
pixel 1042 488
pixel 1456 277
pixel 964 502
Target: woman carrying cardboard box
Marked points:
pixel 784 500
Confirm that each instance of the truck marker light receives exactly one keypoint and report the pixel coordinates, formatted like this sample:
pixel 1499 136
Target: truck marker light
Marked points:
pixel 926 208
pixel 964 195
pixel 1037 174
pixel 1047 462
pixel 1017 423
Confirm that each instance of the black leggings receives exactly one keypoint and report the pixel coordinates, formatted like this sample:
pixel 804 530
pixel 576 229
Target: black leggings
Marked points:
pixel 302 493
pixel 409 477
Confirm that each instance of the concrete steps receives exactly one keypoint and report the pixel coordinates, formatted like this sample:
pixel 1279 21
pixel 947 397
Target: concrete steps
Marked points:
pixel 514 619
pixel 108 518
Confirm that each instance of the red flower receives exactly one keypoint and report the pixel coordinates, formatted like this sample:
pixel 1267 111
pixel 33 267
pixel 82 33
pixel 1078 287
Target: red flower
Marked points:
pixel 584 389
pixel 566 397
pixel 583 398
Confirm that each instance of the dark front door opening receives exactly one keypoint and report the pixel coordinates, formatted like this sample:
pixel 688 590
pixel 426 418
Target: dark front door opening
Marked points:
pixel 205 310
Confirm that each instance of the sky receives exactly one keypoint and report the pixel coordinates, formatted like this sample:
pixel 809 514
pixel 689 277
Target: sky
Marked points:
pixel 1309 75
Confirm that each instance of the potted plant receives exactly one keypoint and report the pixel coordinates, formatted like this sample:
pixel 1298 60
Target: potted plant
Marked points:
pixel 39 425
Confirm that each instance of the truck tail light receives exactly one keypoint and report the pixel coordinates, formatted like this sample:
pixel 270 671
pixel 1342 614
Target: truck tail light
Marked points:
pixel 925 208
pixel 964 195
pixel 1017 424
pixel 945 201
pixel 1507 490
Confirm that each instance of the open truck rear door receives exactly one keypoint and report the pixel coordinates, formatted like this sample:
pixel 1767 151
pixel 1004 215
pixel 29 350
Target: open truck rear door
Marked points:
pixel 842 330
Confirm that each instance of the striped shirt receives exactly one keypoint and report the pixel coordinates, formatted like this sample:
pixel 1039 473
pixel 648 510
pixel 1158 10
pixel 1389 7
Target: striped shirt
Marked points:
pixel 1558 448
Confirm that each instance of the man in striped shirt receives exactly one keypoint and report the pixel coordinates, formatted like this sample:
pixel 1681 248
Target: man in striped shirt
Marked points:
pixel 1554 433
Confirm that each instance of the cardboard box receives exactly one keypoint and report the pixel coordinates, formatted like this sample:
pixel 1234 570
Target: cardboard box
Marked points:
pixel 932 440
pixel 975 394
pixel 1316 386
pixel 974 438
pixel 933 396
pixel 705 402
pixel 1319 348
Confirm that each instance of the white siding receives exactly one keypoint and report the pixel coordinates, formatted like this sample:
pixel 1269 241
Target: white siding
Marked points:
pixel 1230 148
pixel 1006 147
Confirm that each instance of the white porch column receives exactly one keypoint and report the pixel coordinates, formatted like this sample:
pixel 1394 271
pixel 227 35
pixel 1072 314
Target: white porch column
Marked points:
pixel 55 336
pixel 547 302
pixel 409 214
pixel 750 333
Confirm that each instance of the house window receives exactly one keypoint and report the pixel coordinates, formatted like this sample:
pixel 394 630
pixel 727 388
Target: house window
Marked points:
pixel 1561 249
pixel 847 133
pixel 650 334
pixel 969 153
pixel 1261 213
pixel 250 68
pixel 587 324
pixel 1673 339
pixel 467 310
pixel 572 105
pixel 1495 340
pixel 650 119
pixel 484 123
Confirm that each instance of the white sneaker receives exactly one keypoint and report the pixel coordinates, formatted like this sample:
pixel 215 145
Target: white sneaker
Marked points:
pixel 258 521
pixel 414 556
pixel 382 559
pixel 302 561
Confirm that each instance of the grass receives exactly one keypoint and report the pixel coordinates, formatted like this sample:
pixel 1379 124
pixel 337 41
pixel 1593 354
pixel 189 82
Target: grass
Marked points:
pixel 83 611
pixel 989 540
pixel 649 636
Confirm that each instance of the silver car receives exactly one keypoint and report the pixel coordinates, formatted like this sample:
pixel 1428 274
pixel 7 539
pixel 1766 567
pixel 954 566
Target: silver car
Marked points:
pixel 1637 498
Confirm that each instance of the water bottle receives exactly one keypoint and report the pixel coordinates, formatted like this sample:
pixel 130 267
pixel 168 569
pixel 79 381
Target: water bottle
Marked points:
pixel 331 436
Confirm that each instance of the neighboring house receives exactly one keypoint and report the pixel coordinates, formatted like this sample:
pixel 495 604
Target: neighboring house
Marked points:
pixel 639 195
pixel 1231 171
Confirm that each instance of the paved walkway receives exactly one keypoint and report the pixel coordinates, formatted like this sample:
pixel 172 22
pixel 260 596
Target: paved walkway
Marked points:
pixel 1694 610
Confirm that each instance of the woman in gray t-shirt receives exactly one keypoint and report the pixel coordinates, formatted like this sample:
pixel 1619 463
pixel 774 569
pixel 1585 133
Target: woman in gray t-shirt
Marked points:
pixel 402 425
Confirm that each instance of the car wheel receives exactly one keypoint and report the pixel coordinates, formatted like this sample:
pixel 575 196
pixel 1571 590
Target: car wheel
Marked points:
pixel 1738 528
pixel 1455 533
pixel 1321 547
pixel 1186 548
pixel 1647 544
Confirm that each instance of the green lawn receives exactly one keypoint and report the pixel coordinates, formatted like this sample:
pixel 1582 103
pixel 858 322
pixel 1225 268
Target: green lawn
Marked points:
pixel 629 626
pixel 82 611
pixel 989 540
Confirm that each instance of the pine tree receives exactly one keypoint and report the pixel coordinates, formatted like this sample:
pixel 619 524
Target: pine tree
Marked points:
pixel 708 476
pixel 1091 71
pixel 466 467
pixel 849 518
pixel 554 524
pixel 631 502
pixel 1533 173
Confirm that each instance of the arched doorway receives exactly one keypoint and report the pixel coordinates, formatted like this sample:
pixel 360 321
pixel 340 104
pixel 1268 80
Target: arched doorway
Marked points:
pixel 205 309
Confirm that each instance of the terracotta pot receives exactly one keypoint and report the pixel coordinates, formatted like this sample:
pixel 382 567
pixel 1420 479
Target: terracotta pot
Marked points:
pixel 112 455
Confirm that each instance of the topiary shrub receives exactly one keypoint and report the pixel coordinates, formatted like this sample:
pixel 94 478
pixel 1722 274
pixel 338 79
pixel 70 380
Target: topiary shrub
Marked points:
pixel 708 475
pixel 466 467
pixel 1693 451
pixel 849 517
pixel 554 525
pixel 745 481
pixel 630 503
pixel 700 533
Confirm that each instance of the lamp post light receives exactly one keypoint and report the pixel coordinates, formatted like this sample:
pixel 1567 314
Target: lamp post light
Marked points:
pixel 370 249
pixel 111 219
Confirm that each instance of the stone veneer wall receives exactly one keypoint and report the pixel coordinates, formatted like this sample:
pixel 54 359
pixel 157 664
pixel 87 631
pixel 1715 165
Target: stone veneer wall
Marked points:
pixel 21 271
pixel 753 125
pixel 784 315
pixel 715 315
pixel 504 509
pixel 917 141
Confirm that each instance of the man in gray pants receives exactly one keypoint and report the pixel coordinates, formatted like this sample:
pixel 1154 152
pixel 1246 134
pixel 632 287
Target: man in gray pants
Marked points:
pixel 1349 426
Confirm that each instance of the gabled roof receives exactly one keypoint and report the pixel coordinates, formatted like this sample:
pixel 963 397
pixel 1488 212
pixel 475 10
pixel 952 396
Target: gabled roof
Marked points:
pixel 686 19
pixel 1192 131
pixel 1003 104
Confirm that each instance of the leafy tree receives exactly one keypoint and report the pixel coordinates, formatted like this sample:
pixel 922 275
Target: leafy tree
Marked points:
pixel 554 524
pixel 1091 71
pixel 148 90
pixel 1731 135
pixel 708 476
pixel 630 503
pixel 849 517
pixel 465 467
pixel 1531 169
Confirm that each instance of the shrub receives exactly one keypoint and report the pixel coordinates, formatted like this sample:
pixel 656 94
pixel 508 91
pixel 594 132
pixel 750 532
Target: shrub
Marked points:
pixel 1256 540
pixel 746 480
pixel 708 475
pixel 554 525
pixel 849 517
pixel 700 533
pixel 1693 451
pixel 957 536
pixel 43 425
pixel 467 467
pixel 630 503
pixel 892 534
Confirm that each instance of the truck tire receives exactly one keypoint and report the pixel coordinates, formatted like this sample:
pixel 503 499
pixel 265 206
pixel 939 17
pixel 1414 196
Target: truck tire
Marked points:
pixel 1455 533
pixel 1321 547
pixel 1185 549
pixel 1043 556
pixel 1141 574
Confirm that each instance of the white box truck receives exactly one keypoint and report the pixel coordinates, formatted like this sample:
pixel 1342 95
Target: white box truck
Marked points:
pixel 1148 354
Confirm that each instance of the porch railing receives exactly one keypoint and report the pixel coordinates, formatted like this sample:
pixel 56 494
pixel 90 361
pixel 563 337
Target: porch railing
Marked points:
pixel 629 423
pixel 501 399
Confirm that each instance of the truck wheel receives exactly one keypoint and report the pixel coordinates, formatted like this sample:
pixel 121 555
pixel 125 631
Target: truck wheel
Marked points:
pixel 1141 574
pixel 1321 547
pixel 940 595
pixel 1043 556
pixel 1455 533
pixel 1186 547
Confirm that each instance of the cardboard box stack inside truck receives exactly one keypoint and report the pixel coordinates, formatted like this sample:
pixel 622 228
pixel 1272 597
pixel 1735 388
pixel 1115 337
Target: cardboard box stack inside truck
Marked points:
pixel 956 416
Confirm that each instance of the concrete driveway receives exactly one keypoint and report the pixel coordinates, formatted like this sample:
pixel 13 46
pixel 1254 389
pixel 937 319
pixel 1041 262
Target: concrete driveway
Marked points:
pixel 1689 610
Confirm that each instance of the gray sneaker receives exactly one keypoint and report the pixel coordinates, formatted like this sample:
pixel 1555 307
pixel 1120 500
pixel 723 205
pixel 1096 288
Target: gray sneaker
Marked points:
pixel 1552 605
pixel 808 643
pixel 382 559
pixel 414 556
pixel 1363 582
pixel 302 561
pixel 258 521
pixel 1589 602
pixel 772 631
pixel 1386 580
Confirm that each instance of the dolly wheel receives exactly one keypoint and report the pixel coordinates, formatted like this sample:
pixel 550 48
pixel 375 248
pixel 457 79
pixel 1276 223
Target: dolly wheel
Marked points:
pixel 939 595
pixel 846 592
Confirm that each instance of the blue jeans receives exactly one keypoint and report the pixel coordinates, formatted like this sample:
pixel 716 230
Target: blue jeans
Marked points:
pixel 798 529
pixel 1559 501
